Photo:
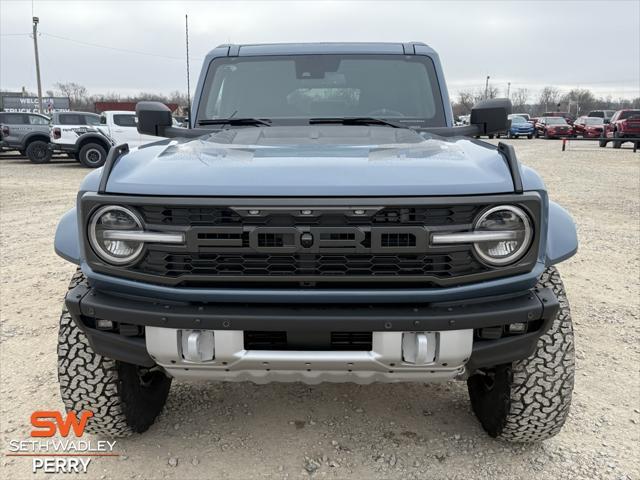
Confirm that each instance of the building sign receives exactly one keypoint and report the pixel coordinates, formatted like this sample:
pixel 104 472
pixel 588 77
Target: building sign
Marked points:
pixel 30 104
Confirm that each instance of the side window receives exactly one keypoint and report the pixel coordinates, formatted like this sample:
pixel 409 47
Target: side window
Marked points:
pixel 125 120
pixel 92 120
pixel 71 119
pixel 36 120
pixel 103 120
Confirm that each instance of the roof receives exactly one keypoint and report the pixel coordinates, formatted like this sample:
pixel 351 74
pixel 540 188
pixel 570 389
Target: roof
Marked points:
pixel 398 48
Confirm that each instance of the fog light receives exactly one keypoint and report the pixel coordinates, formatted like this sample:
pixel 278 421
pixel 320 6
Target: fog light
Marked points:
pixel 519 327
pixel 197 345
pixel 102 324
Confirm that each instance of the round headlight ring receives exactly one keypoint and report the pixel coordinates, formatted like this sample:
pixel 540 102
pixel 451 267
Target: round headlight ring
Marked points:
pixel 99 249
pixel 522 249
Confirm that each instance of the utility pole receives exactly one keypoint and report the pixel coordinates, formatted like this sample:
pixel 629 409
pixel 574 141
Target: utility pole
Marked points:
pixel 508 89
pixel 486 88
pixel 186 31
pixel 35 46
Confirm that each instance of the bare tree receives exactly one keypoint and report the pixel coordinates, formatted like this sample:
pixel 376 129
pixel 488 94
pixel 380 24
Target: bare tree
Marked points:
pixel 548 98
pixel 76 93
pixel 519 99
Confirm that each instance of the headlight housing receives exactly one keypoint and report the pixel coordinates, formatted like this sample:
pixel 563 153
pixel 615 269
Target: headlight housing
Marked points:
pixel 513 225
pixel 112 219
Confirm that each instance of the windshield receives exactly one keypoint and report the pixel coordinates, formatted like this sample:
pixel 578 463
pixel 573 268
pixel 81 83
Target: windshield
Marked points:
pixel 517 119
pixel 300 87
pixel 593 121
pixel 556 121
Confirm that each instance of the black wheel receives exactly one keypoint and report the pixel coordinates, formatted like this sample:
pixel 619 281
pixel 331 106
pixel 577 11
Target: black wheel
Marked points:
pixel 38 152
pixel 529 400
pixel 92 155
pixel 536 134
pixel 546 135
pixel 490 136
pixel 616 143
pixel 530 136
pixel 602 143
pixel 124 398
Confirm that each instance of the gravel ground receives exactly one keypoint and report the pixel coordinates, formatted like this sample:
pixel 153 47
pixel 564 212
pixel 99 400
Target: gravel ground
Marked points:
pixel 240 430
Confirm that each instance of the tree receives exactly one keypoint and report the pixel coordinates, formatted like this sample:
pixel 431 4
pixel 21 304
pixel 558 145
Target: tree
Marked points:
pixel 519 99
pixel 76 93
pixel 548 98
pixel 583 100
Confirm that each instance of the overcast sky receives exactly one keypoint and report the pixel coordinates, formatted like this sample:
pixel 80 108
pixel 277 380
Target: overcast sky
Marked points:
pixel 567 44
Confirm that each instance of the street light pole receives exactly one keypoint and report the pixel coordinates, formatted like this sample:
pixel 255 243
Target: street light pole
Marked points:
pixel 35 47
pixel 486 88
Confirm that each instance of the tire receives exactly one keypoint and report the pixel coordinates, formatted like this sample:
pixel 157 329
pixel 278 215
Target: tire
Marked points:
pixel 530 136
pixel 123 402
pixel 490 136
pixel 528 400
pixel 38 152
pixel 546 135
pixel 92 155
pixel 602 143
pixel 616 143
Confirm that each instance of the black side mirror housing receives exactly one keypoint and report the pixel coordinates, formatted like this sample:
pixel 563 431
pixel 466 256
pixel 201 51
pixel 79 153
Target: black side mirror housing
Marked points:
pixel 491 116
pixel 153 118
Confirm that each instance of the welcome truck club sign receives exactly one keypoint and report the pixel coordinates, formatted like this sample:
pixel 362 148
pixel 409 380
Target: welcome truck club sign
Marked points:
pixel 31 104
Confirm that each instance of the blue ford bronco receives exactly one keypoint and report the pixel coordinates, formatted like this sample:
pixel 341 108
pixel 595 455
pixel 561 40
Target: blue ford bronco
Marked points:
pixel 321 220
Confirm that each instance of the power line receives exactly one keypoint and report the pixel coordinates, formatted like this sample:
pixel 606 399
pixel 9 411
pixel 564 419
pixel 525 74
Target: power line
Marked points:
pixel 117 49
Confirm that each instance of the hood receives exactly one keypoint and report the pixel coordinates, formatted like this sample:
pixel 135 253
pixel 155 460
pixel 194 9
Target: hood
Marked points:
pixel 312 161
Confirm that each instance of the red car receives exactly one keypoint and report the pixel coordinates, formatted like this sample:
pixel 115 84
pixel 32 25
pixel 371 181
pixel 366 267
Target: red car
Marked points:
pixel 623 124
pixel 553 127
pixel 566 115
pixel 588 127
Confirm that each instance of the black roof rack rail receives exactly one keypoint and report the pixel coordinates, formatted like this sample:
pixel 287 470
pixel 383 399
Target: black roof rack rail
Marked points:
pixel 112 157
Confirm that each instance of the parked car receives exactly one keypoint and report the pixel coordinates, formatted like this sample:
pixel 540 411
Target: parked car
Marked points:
pixel 588 127
pixel 79 134
pixel 553 127
pixel 526 116
pixel 28 133
pixel 604 114
pixel 272 242
pixel 566 115
pixel 623 124
pixel 121 127
pixel 520 127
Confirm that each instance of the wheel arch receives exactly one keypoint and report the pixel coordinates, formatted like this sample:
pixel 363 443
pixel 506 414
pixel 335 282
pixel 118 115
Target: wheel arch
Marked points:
pixel 32 137
pixel 93 138
pixel 67 239
pixel 562 236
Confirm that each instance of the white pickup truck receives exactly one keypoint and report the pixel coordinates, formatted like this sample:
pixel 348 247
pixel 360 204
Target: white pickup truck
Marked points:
pixel 88 136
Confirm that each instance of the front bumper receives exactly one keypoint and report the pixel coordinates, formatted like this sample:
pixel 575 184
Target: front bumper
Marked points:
pixel 146 332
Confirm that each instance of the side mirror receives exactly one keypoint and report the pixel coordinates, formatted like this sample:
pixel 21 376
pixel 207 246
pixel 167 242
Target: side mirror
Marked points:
pixel 491 115
pixel 153 118
pixel 606 121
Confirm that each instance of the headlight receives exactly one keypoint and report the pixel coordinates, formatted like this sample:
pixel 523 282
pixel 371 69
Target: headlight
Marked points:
pixel 112 234
pixel 512 235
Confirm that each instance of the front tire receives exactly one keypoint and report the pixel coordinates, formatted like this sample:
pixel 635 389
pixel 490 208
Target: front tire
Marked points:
pixel 38 152
pixel 124 398
pixel 528 400
pixel 92 155
pixel 616 143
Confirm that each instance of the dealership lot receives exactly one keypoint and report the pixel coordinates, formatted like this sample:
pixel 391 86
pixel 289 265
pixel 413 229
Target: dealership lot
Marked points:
pixel 335 431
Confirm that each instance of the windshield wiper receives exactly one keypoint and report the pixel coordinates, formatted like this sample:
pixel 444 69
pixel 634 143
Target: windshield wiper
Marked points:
pixel 262 122
pixel 356 121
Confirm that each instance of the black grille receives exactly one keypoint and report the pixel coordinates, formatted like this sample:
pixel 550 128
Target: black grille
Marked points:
pixel 278 340
pixel 210 216
pixel 212 264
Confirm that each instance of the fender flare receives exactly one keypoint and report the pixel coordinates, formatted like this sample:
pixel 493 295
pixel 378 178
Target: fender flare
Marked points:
pixel 94 136
pixel 67 239
pixel 562 236
pixel 30 136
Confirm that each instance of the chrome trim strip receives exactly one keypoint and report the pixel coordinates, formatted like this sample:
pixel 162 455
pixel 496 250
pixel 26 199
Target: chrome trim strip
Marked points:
pixel 148 237
pixel 472 237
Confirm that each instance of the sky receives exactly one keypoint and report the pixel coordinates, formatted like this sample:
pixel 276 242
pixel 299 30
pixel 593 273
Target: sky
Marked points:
pixel 132 46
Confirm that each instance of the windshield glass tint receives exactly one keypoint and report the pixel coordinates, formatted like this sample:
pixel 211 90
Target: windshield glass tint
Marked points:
pixel 593 121
pixel 125 120
pixel 629 114
pixel 312 86
pixel 518 120
pixel 556 121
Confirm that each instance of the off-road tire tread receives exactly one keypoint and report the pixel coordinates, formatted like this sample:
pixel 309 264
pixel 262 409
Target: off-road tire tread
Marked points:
pixel 535 402
pixel 89 381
